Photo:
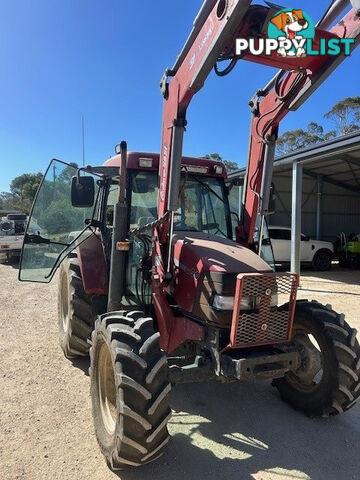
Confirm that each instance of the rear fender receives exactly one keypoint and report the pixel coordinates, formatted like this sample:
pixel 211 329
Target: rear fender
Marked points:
pixel 93 267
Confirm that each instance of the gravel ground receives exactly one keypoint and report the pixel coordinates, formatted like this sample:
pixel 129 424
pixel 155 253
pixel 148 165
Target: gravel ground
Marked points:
pixel 234 431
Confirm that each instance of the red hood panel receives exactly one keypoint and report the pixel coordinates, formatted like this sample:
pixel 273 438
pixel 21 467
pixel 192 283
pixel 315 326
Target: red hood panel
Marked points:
pixel 202 252
pixel 199 257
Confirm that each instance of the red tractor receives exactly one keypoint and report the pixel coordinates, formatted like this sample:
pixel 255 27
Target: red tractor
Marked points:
pixel 162 282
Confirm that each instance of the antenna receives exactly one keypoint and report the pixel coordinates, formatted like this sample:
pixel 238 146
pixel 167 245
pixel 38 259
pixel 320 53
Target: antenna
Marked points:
pixel 83 139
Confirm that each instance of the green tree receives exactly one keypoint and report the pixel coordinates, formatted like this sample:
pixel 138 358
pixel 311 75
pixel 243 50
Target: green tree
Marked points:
pixel 56 218
pixel 23 189
pixel 216 157
pixel 346 115
pixel 7 201
pixel 67 173
pixel 296 139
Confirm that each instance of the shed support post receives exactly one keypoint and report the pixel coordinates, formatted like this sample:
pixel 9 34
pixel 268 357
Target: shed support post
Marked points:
pixel 297 174
pixel 318 207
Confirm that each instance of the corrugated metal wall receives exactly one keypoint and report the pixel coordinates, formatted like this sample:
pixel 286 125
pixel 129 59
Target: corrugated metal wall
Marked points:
pixel 340 208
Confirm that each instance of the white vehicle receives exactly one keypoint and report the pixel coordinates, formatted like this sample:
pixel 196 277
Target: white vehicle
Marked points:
pixel 11 235
pixel 10 246
pixel 315 252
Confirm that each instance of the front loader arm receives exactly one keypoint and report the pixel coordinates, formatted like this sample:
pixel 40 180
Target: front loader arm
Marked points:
pixel 286 92
pixel 217 26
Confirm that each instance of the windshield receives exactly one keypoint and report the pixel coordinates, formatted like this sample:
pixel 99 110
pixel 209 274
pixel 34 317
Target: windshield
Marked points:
pixel 203 206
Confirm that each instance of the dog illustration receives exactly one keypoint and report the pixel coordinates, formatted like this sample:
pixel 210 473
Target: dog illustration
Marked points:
pixel 291 23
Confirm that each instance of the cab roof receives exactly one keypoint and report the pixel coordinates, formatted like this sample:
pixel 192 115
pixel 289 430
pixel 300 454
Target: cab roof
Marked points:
pixel 133 162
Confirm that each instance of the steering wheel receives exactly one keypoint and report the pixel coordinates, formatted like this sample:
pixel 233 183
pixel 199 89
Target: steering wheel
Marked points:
pixel 213 225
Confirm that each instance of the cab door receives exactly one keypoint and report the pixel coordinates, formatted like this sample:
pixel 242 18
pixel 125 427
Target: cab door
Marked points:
pixel 142 198
pixel 55 227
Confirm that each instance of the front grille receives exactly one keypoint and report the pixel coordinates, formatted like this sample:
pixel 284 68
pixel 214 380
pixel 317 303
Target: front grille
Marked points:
pixel 271 321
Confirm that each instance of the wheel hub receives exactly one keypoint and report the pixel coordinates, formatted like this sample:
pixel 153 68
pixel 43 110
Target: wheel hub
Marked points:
pixel 310 359
pixel 107 389
pixel 309 374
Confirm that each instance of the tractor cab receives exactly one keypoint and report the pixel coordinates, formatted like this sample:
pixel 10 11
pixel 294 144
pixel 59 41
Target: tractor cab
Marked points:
pixel 74 204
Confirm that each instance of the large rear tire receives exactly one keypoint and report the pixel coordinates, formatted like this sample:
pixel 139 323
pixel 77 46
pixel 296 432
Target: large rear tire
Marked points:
pixel 327 381
pixel 75 315
pixel 129 389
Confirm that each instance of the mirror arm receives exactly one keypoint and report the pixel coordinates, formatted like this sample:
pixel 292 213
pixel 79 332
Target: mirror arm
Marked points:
pixel 91 222
pixel 38 239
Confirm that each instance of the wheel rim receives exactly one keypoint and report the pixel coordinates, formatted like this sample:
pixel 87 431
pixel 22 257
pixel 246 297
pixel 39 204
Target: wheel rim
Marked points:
pixel 107 389
pixel 64 302
pixel 310 373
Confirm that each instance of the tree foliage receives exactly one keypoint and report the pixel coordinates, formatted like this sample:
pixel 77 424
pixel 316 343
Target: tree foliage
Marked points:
pixel 23 189
pixel 216 157
pixel 22 192
pixel 345 115
pixel 299 138
pixel 57 217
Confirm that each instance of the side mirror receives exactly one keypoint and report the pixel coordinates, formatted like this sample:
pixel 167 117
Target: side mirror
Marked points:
pixel 82 191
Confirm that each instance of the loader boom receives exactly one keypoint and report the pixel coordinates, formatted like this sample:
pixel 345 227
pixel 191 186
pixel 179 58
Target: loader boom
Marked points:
pixel 213 37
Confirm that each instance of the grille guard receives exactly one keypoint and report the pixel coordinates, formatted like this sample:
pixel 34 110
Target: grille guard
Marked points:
pixel 267 325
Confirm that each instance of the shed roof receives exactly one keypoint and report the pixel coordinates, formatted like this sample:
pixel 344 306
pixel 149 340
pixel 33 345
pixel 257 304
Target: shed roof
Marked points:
pixel 337 161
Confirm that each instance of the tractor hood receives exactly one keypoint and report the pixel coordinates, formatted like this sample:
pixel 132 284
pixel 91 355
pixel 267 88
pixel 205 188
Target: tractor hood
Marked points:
pixel 207 265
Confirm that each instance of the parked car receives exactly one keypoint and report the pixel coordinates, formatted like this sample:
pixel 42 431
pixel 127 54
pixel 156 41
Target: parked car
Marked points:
pixel 10 247
pixel 12 229
pixel 312 252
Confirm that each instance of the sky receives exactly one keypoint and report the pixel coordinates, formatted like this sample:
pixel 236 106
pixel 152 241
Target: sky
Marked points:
pixel 60 60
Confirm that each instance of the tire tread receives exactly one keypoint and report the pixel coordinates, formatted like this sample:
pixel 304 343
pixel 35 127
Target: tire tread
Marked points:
pixel 344 386
pixel 143 387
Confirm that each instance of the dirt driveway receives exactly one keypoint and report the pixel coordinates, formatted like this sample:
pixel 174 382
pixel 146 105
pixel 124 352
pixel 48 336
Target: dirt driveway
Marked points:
pixel 232 432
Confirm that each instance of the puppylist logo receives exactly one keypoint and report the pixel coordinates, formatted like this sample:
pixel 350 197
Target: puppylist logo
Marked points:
pixel 291 29
pixel 291 33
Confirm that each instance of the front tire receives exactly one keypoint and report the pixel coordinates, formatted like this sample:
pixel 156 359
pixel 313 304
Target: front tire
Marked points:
pixel 327 381
pixel 129 389
pixel 75 315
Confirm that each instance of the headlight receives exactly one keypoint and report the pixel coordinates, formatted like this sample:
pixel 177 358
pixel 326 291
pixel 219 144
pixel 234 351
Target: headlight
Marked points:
pixel 220 302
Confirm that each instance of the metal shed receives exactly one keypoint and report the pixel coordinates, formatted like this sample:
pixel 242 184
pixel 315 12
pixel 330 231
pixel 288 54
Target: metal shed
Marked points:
pixel 317 191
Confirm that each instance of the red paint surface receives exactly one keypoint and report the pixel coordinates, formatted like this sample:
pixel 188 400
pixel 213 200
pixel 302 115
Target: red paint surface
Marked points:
pixel 174 331
pixel 93 266
pixel 133 163
pixel 196 254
